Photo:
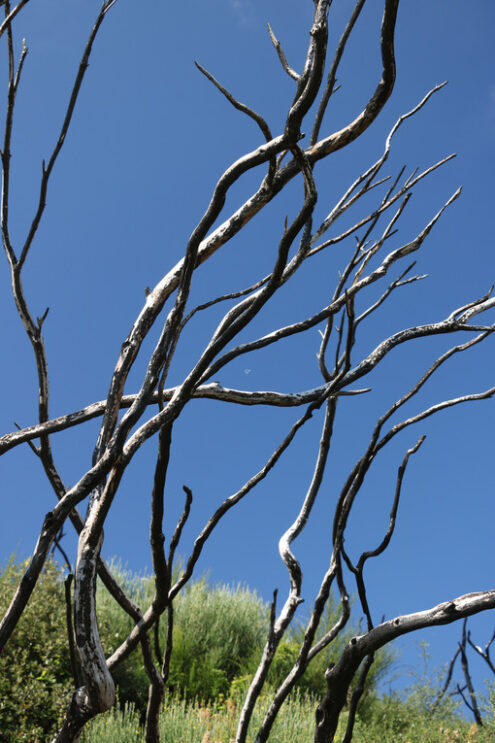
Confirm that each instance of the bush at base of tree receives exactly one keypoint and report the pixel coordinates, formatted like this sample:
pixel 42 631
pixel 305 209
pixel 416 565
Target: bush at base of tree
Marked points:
pixel 219 633
pixel 35 675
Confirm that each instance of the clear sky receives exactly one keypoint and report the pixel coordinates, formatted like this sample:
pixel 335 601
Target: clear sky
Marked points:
pixel 149 139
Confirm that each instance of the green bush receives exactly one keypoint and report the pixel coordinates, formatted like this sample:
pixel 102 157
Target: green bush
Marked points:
pixel 218 634
pixel 403 719
pixel 35 675
pixel 313 681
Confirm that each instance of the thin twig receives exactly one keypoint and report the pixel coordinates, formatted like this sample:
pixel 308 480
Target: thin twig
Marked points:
pixel 283 59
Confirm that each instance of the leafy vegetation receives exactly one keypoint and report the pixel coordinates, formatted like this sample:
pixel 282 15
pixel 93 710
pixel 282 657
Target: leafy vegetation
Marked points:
pixel 313 681
pixel 392 719
pixel 35 675
pixel 218 634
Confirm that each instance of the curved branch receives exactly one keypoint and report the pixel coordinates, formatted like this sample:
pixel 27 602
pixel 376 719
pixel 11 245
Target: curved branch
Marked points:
pixel 283 59
pixel 293 600
pixel 207 246
pixel 339 677
pixel 212 391
pixel 331 79
pixel 377 101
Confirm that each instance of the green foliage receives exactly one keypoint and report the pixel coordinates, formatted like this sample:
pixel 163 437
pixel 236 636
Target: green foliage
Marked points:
pixel 35 676
pixel 393 719
pixel 488 710
pixel 117 726
pixel 218 633
pixel 218 636
pixel 417 715
pixel 189 721
pixel 404 719
pixel 313 681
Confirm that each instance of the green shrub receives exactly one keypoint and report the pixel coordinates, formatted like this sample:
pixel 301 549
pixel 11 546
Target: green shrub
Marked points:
pixel 403 719
pixel 313 680
pixel 218 634
pixel 394 719
pixel 35 675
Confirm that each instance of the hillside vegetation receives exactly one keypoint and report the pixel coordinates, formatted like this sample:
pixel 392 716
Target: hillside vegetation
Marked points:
pixel 219 632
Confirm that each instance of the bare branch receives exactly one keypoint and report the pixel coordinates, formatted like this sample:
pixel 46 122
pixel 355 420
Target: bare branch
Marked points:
pixel 356 697
pixel 332 75
pixel 11 15
pixel 174 542
pixel 283 59
pixel 149 617
pixel 70 631
pixel 448 678
pixel 239 106
pixel 469 684
pixel 361 646
pixel 382 208
pixel 379 98
pixel 294 569
pixel 212 391
pixel 47 169
pixel 128 421
pixel 485 654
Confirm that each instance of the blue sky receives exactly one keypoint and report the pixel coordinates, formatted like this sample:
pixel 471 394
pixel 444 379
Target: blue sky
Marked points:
pixel 149 139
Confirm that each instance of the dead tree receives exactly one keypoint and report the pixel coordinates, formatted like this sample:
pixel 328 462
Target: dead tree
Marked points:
pixel 373 256
pixel 466 690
